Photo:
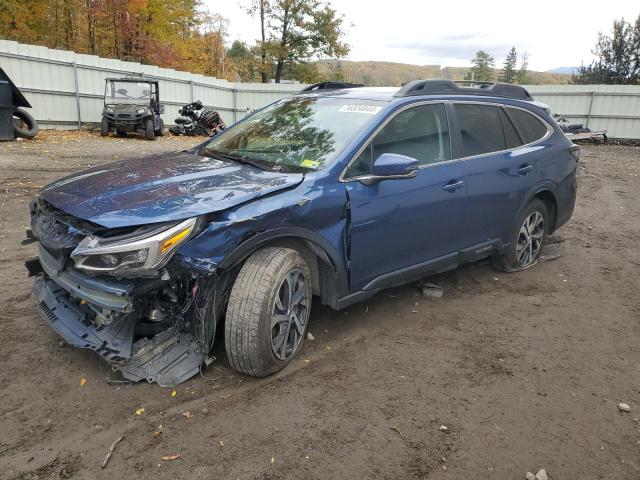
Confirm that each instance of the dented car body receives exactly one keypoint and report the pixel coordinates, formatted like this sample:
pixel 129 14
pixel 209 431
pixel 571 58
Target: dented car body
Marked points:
pixel 141 260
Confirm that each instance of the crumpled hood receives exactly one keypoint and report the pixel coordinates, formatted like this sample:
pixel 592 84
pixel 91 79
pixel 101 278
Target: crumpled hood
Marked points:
pixel 160 188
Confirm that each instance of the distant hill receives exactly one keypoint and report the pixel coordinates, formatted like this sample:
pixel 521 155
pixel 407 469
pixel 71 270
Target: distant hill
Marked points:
pixel 376 74
pixel 563 70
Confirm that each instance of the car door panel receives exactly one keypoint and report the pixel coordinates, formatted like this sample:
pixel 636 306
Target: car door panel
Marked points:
pixel 399 223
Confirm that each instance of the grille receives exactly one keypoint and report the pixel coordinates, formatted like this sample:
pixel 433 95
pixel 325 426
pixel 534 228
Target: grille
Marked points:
pixel 47 312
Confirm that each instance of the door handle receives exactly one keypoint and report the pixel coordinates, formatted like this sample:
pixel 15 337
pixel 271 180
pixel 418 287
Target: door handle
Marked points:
pixel 524 169
pixel 453 185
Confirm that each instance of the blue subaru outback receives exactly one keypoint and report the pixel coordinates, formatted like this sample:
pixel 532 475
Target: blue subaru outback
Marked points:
pixel 336 194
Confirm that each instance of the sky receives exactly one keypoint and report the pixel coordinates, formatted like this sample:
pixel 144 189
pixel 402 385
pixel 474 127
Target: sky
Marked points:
pixel 557 33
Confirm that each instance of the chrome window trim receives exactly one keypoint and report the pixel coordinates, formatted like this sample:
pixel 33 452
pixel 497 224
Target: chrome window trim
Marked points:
pixel 550 131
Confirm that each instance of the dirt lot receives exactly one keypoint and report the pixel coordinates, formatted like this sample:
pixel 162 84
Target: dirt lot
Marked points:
pixel 525 370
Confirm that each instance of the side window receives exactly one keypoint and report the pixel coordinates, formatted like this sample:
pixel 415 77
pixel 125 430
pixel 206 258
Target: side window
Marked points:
pixel 529 127
pixel 510 134
pixel 420 132
pixel 480 128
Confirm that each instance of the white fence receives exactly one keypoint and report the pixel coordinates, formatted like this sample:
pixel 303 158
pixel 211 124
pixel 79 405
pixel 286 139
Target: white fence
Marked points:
pixel 615 108
pixel 66 90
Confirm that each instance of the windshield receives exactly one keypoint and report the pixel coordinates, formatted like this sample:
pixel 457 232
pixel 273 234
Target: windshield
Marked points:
pixel 128 92
pixel 302 133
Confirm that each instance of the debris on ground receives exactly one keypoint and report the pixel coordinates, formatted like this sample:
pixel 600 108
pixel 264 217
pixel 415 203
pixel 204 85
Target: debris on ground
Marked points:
pixel 187 414
pixel 431 290
pixel 624 407
pixel 443 428
pixel 140 411
pixel 310 337
pixel 111 449
pixel 541 475
pixel 550 253
pixel 530 476
pixel 170 458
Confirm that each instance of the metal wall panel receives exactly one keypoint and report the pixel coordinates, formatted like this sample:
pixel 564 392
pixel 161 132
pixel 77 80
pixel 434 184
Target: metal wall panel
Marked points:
pixel 615 108
pixel 61 84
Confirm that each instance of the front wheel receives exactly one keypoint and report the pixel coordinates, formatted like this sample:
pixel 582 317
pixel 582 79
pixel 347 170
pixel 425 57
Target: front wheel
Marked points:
pixel 104 127
pixel 149 132
pixel 268 311
pixel 527 239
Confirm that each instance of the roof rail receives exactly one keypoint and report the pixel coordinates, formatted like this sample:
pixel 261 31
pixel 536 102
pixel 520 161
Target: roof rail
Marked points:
pixel 449 87
pixel 330 85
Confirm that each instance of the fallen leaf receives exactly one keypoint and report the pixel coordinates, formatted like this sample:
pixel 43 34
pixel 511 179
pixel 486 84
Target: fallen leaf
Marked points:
pixel 83 381
pixel 139 411
pixel 170 458
pixel 273 460
pixel 221 443
pixel 396 429
pixel 187 414
pixel 174 393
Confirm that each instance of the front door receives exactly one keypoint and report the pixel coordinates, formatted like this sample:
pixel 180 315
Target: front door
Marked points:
pixel 398 224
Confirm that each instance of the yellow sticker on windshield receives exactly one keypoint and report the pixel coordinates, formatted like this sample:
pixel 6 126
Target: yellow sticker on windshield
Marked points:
pixel 310 163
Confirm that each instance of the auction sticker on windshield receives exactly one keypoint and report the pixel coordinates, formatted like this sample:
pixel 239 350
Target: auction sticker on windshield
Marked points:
pixel 370 109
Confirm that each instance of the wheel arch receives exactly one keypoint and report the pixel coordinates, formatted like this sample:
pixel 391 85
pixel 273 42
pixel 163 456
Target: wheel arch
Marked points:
pixel 329 277
pixel 546 193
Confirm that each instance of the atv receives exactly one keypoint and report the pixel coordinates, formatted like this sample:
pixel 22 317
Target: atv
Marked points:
pixel 132 105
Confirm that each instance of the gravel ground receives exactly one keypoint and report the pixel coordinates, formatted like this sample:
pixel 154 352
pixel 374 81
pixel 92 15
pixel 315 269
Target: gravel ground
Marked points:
pixel 525 370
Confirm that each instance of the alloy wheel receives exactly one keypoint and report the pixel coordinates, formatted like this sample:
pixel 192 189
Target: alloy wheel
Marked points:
pixel 290 314
pixel 530 239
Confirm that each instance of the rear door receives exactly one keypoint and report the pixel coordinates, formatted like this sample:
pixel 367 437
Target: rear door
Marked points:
pixel 500 167
pixel 398 224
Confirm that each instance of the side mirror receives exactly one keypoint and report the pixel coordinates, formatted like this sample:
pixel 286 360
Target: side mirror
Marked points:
pixel 393 165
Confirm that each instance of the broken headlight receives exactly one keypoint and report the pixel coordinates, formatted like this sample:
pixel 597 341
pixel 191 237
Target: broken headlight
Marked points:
pixel 148 251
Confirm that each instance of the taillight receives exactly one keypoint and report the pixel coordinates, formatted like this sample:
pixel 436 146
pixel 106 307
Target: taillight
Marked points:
pixel 575 152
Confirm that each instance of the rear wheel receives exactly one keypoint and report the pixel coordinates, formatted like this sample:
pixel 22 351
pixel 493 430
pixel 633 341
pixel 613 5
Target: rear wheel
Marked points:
pixel 268 311
pixel 527 239
pixel 149 132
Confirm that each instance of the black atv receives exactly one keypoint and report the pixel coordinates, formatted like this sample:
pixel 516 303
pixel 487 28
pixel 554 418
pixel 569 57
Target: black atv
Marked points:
pixel 132 105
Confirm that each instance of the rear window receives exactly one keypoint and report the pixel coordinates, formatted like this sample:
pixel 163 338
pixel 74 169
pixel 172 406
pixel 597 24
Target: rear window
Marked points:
pixel 510 134
pixel 480 128
pixel 529 127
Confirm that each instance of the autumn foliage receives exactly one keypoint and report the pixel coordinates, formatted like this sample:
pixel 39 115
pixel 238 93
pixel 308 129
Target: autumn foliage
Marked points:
pixel 168 33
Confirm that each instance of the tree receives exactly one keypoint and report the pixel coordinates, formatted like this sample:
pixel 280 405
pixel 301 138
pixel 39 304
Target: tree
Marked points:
pixel 243 61
pixel 617 57
pixel 482 70
pixel 522 76
pixel 296 32
pixel 508 74
pixel 262 8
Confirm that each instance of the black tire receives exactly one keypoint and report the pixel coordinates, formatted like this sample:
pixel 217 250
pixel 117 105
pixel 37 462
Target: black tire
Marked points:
pixel 149 132
pixel 160 131
pixel 257 298
pixel 121 133
pixel 24 125
pixel 104 127
pixel 512 260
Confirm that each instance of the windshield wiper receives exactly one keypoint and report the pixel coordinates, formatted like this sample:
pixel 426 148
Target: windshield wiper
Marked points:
pixel 236 158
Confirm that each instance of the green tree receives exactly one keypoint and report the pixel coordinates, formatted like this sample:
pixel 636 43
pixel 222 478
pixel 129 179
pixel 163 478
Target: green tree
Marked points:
pixel 522 76
pixel 243 61
pixel 508 74
pixel 296 31
pixel 617 57
pixel 482 69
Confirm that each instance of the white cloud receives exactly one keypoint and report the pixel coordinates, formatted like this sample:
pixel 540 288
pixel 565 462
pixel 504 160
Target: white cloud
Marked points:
pixel 554 33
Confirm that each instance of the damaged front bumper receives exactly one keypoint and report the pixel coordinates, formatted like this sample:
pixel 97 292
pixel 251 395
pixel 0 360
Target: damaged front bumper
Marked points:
pixel 68 299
